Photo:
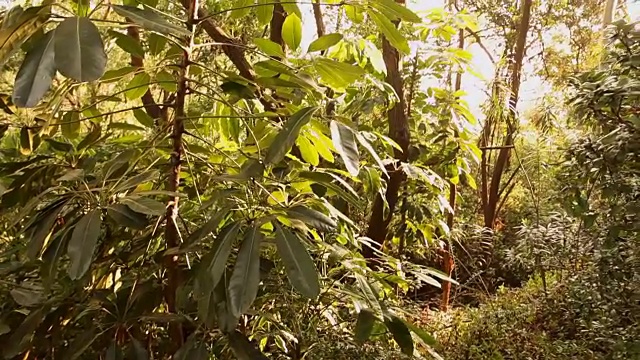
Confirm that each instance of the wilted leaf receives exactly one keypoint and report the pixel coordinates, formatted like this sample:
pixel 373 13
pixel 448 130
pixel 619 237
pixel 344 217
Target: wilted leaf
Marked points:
pixel 299 265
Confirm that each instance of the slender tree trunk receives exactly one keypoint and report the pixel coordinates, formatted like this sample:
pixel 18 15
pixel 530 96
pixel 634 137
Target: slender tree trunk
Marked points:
pixel 504 154
pixel 172 232
pixel 279 15
pixel 399 132
pixel 448 262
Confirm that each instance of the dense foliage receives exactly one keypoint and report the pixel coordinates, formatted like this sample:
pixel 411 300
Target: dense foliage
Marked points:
pixel 265 179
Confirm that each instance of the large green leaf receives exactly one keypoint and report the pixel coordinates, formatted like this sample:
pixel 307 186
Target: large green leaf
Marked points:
pixel 150 20
pixel 400 332
pixel 36 73
pixel 313 218
pixel 292 31
pixel 220 252
pixel 138 86
pixel 336 74
pixel 124 216
pixel 145 205
pixel 390 32
pixel 324 42
pixel 395 11
pixel 308 151
pixel 79 51
pixel 42 228
pixel 245 279
pixel 364 325
pixel 288 135
pixel 345 143
pixel 264 11
pixel 51 258
pixel 299 265
pixel 127 43
pixel 83 243
pixel 269 47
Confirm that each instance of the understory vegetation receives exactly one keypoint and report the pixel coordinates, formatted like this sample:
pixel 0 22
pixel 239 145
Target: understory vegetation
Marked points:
pixel 321 179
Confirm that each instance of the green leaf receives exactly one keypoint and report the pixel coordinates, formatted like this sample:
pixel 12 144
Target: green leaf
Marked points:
pixel 327 180
pixel 36 73
pixel 21 336
pixel 364 325
pixel 308 151
pixel 127 43
pixel 324 42
pixel 313 218
pixel 245 279
pixel 390 32
pixel 208 227
pixel 91 137
pixel 117 74
pixel 143 118
pixel 243 349
pixel 288 135
pixel 138 350
pixel 42 228
pixel 338 75
pixel 79 51
pixel 299 265
pixel 400 333
pixel 59 145
pixel 395 11
pixel 220 252
pixel 241 9
pixel 138 86
pixel 51 258
pixel 375 57
pixel 345 143
pixel 354 13
pixel 145 205
pixel 123 215
pixel 363 141
pixel 156 43
pixel 83 243
pixel 292 31
pixel 71 124
pixel 124 126
pixel 269 47
pixel 167 81
pixel 150 20
pixel 290 7
pixel 80 344
pixel 264 11
pixel 427 338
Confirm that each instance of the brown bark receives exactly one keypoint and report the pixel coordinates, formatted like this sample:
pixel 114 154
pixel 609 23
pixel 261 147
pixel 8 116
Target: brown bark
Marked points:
pixel 317 14
pixel 399 132
pixel 275 28
pixel 493 196
pixel 172 233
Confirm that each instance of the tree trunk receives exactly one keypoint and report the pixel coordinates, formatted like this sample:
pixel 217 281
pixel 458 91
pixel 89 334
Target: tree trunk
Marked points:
pixel 447 259
pixel 399 132
pixel 490 210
